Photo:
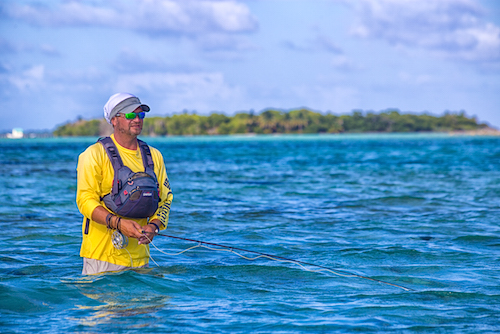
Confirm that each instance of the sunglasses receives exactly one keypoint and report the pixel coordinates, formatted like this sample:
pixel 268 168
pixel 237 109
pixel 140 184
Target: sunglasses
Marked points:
pixel 132 115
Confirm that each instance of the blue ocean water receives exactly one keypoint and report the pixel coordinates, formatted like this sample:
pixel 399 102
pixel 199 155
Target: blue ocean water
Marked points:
pixel 420 211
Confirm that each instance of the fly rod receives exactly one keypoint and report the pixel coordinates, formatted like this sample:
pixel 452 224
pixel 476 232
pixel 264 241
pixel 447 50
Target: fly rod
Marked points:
pixel 284 259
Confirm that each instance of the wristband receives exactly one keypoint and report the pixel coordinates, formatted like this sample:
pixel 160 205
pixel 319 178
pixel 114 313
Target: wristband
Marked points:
pixel 118 224
pixel 108 220
pixel 157 227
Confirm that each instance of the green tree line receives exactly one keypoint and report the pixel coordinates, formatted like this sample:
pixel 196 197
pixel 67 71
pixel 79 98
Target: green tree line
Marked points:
pixel 275 121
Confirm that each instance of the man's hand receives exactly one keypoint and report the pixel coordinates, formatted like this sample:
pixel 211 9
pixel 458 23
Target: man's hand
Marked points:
pixel 148 235
pixel 130 228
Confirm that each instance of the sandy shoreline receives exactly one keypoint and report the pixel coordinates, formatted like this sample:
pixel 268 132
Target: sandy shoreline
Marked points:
pixel 480 132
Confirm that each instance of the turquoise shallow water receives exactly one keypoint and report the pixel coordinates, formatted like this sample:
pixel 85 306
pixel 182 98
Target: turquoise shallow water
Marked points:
pixel 421 211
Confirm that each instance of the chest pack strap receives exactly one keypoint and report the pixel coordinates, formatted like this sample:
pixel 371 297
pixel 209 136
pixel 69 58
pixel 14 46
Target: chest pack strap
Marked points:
pixel 147 158
pixel 116 160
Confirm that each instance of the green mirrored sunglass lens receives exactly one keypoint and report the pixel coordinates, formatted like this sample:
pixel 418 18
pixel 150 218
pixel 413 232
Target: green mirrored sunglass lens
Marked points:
pixel 132 115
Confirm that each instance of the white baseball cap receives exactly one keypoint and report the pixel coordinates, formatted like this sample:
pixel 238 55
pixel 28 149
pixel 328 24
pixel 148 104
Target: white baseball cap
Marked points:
pixel 122 103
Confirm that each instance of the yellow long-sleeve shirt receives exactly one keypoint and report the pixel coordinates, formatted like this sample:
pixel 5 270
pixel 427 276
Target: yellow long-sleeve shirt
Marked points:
pixel 94 180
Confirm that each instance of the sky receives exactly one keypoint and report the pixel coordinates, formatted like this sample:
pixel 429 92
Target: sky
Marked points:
pixel 61 60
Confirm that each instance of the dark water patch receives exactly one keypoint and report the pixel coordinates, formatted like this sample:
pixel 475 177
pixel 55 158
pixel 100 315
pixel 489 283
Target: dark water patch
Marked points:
pixel 31 270
pixel 485 240
pixel 20 301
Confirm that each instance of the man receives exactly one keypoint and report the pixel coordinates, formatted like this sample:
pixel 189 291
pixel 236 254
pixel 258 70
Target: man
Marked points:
pixel 96 177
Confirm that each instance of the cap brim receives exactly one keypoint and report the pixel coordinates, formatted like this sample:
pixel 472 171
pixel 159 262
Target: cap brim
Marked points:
pixel 132 107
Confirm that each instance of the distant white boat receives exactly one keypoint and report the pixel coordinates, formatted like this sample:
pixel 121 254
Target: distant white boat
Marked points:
pixel 16 133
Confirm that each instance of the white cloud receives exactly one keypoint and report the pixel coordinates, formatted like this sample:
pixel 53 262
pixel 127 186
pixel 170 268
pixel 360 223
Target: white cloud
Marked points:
pixel 39 79
pixel 49 50
pixel 202 91
pixel 419 79
pixel 453 28
pixel 217 42
pixel 319 42
pixel 30 79
pixel 71 13
pixel 229 15
pixel 191 17
pixel 14 46
pixel 335 98
pixel 129 60
pixel 342 62
pixel 327 44
pixel 18 46
pixel 325 96
pixel 149 16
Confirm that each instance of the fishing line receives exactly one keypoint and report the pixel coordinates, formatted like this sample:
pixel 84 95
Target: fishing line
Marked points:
pixel 302 264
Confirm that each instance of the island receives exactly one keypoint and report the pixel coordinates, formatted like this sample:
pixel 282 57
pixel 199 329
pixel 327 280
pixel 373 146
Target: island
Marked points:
pixel 297 121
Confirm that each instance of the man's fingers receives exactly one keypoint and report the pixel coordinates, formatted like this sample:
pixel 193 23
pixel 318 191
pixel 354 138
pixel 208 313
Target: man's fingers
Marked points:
pixel 146 237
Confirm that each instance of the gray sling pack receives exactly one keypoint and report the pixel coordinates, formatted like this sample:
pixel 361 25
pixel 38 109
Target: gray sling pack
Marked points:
pixel 133 195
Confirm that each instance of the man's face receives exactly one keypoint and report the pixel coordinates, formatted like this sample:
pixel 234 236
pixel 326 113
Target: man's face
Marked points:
pixel 130 127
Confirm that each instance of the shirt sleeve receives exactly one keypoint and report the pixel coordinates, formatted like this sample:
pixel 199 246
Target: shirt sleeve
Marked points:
pixel 89 180
pixel 166 195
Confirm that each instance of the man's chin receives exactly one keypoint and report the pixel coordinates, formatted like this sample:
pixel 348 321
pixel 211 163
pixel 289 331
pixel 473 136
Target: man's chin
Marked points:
pixel 136 130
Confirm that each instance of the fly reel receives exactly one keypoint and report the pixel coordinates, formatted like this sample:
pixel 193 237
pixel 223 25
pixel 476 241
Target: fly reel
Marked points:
pixel 119 240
